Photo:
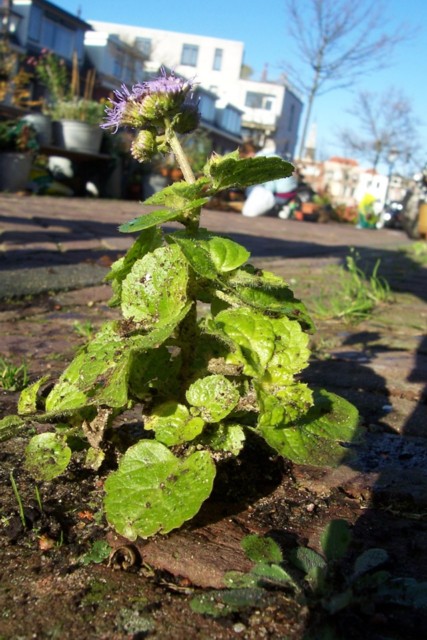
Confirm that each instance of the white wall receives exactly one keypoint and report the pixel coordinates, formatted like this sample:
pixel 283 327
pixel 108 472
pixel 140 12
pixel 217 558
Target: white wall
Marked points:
pixel 167 49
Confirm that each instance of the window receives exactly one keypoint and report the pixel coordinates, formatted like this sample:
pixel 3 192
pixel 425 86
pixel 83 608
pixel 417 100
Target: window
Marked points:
pixel 143 45
pixel 217 63
pixel 118 66
pixel 56 37
pixel 35 24
pixel 189 55
pixel 259 101
pixel 291 117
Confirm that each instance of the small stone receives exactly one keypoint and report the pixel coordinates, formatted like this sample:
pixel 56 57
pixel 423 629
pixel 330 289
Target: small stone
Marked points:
pixel 239 627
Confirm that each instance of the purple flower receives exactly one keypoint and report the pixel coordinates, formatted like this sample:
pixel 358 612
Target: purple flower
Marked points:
pixel 116 112
pixel 148 102
pixel 167 84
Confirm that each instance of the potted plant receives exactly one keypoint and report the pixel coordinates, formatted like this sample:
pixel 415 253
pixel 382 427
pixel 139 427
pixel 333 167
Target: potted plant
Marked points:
pixel 18 143
pixel 75 118
pixel 76 124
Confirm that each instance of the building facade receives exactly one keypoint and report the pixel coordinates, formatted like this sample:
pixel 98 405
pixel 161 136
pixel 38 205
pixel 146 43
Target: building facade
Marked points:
pixel 268 109
pixel 43 25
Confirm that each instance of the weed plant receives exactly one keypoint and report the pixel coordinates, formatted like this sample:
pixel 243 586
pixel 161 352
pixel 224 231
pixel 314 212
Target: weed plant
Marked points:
pixel 357 296
pixel 333 587
pixel 13 377
pixel 202 384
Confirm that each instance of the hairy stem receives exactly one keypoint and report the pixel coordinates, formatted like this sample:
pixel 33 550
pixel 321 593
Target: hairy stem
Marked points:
pixel 180 156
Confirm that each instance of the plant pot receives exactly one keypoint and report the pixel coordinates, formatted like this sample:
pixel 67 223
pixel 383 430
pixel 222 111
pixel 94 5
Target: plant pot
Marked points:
pixel 15 170
pixel 43 125
pixel 77 136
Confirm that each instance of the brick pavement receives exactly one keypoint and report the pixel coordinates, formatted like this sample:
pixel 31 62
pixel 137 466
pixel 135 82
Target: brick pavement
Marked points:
pixel 39 231
pixel 57 244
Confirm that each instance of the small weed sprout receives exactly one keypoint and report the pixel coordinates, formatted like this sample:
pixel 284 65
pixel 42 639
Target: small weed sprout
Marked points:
pixel 358 295
pixel 325 583
pixel 18 500
pixel 204 383
pixel 84 329
pixel 13 377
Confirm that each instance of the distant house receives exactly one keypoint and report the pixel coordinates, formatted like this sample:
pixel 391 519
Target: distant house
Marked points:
pixel 114 60
pixel 264 109
pixel 344 179
pixel 270 110
pixel 44 25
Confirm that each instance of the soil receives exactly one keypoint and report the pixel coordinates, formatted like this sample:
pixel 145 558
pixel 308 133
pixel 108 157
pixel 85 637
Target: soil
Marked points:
pixel 50 589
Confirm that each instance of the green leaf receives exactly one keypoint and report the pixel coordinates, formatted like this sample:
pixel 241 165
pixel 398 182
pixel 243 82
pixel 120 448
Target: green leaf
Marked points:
pixel 94 458
pixel 272 573
pixel 180 199
pixel 335 539
pixel 47 456
pixel 232 171
pixel 307 559
pixel 178 193
pixel 173 424
pixel 316 439
pixel 226 254
pixel 99 551
pixel 260 549
pixel 368 560
pixel 285 407
pixel 153 491
pixel 239 580
pixel 339 601
pixel 406 592
pixel 155 291
pixel 267 292
pixel 215 396
pixel 27 402
pixel 10 427
pixel 208 254
pixel 291 352
pixel 333 417
pixel 155 369
pixel 99 374
pixel 224 437
pixel 153 219
pixel 196 254
pixel 148 240
pixel 301 447
pixel 253 337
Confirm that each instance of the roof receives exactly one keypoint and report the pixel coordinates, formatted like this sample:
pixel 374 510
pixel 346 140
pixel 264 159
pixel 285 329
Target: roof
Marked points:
pixel 340 160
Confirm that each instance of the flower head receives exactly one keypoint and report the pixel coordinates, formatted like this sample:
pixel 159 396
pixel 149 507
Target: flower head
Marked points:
pixel 148 103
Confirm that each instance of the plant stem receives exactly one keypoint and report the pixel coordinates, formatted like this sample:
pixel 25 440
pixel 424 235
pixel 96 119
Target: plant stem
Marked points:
pixel 180 156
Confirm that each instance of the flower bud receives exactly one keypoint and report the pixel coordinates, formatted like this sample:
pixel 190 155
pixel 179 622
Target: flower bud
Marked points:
pixel 187 120
pixel 144 146
pixel 156 106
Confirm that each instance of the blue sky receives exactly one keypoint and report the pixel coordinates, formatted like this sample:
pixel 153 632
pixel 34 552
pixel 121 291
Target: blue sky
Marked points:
pixel 262 28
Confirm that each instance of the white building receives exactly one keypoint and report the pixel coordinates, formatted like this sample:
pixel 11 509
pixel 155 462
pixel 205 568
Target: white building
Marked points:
pixel 267 109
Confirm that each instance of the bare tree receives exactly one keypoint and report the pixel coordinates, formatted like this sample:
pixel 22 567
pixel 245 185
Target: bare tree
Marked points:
pixel 337 41
pixel 386 127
